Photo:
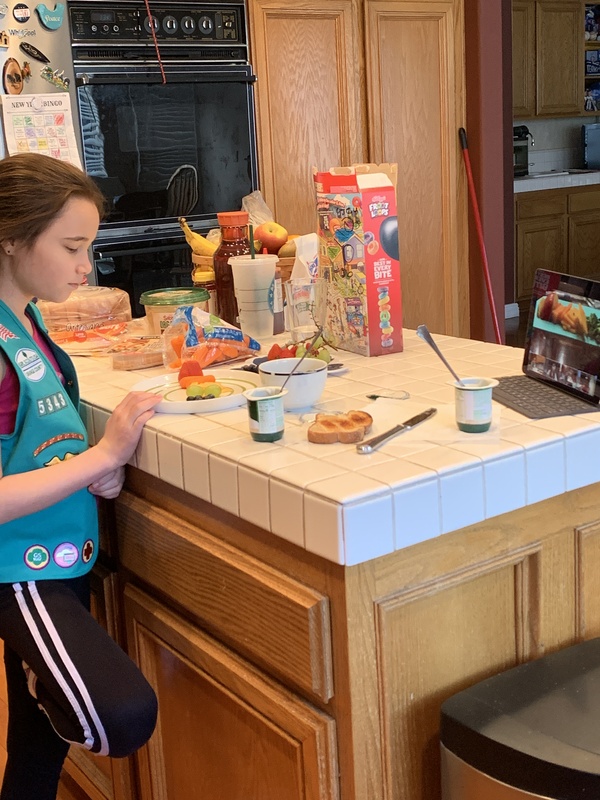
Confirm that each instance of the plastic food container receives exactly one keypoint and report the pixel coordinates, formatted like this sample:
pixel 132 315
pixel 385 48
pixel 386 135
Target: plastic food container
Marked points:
pixel 160 304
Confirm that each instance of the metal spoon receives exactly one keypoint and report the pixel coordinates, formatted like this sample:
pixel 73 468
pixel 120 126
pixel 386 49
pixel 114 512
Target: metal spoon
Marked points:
pixel 423 333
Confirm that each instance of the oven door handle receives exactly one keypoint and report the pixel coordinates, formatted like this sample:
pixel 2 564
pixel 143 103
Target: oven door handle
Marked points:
pixel 89 79
pixel 109 252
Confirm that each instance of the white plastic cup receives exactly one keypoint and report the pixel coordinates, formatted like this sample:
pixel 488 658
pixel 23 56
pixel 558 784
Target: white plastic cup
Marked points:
pixel 256 323
pixel 253 274
pixel 252 296
pixel 250 306
pixel 306 304
pixel 473 404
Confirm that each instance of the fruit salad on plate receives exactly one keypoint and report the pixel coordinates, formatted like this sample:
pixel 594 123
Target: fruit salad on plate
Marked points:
pixel 298 349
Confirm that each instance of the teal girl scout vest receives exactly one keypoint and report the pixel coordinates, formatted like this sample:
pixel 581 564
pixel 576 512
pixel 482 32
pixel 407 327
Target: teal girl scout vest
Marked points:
pixel 60 541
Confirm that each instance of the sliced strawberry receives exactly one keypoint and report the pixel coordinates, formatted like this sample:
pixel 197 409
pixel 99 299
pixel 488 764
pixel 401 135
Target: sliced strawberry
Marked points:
pixel 190 367
pixel 274 352
pixel 287 352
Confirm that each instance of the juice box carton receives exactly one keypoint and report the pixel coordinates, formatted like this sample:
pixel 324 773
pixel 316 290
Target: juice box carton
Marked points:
pixel 359 257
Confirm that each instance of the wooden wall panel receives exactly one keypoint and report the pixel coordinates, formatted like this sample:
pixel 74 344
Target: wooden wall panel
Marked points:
pixel 416 104
pixel 587 545
pixel 435 642
pixel 307 55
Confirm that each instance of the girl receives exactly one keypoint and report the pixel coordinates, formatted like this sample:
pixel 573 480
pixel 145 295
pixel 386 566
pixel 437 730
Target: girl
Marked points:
pixel 67 681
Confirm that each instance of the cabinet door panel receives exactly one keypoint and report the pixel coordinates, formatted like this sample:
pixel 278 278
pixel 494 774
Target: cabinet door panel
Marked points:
pixel 415 90
pixel 584 245
pixel 541 244
pixel 523 57
pixel 309 95
pixel 102 778
pixel 560 57
pixel 225 730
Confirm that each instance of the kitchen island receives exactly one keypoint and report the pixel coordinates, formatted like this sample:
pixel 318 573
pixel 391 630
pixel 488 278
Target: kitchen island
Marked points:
pixel 303 611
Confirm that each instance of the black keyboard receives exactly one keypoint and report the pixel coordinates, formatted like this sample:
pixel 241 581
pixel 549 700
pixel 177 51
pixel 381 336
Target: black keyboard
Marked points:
pixel 537 400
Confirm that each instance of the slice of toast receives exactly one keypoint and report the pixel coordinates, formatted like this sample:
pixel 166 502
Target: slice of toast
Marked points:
pixel 345 428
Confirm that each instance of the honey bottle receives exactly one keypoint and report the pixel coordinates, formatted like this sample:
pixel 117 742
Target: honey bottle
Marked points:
pixel 234 242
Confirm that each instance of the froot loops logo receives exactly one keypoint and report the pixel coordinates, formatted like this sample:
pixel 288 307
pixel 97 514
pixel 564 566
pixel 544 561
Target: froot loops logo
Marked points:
pixel 385 316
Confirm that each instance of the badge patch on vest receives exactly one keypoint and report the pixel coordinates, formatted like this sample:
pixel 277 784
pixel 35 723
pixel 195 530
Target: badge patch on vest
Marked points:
pixel 30 364
pixel 37 556
pixel 50 404
pixel 65 555
pixel 87 551
pixel 60 438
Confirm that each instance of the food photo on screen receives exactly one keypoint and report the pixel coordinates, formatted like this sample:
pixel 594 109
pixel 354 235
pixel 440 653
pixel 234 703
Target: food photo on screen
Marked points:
pixel 564 341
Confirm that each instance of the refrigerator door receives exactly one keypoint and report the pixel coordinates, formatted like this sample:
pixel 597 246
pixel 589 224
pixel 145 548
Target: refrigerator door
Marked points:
pixel 35 58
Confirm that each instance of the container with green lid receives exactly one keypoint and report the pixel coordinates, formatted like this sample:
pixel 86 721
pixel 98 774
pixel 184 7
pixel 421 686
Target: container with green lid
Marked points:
pixel 160 304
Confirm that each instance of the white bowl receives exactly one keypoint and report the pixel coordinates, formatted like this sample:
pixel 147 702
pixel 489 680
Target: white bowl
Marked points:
pixel 304 387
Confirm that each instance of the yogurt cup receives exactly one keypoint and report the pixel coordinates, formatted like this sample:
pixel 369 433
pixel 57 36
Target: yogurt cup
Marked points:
pixel 473 404
pixel 265 413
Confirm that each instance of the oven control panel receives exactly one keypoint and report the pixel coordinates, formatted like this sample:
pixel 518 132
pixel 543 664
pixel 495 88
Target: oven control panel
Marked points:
pixel 130 23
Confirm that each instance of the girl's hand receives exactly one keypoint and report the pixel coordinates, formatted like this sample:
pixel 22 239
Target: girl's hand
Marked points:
pixel 109 485
pixel 125 425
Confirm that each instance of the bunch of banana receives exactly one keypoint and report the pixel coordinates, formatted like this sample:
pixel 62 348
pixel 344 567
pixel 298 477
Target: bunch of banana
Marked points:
pixel 199 244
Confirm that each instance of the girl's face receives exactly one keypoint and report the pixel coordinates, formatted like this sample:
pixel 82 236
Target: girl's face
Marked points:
pixel 57 262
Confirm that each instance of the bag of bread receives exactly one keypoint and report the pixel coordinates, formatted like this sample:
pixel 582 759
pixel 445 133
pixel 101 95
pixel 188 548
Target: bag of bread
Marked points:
pixel 195 334
pixel 88 320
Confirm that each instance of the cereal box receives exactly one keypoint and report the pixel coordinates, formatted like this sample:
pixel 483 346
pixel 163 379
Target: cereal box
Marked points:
pixel 358 256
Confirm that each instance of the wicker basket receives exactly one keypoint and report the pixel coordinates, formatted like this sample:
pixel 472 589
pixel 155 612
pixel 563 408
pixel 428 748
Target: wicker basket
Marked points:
pixel 204 262
pixel 285 264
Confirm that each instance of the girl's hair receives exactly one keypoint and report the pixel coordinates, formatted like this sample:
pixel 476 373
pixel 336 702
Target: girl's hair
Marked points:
pixel 34 190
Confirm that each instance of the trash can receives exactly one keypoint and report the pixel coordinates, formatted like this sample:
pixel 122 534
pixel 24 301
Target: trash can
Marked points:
pixel 530 732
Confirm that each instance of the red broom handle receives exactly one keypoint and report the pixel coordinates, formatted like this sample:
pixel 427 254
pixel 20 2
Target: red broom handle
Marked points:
pixel 475 205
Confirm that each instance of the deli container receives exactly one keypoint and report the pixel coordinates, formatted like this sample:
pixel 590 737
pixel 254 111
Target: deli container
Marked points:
pixel 160 304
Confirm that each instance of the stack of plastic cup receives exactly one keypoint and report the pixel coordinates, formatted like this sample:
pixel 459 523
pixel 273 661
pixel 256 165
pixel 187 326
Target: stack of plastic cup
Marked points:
pixel 253 284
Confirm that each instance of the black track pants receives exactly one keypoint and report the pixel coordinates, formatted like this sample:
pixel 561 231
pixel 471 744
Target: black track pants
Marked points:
pixel 91 691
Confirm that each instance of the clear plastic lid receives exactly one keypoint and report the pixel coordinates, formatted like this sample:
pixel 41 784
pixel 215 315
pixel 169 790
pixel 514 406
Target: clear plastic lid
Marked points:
pixel 174 297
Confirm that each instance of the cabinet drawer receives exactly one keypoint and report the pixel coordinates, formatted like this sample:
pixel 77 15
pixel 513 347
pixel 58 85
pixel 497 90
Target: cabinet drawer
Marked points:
pixel 267 616
pixel 541 206
pixel 584 201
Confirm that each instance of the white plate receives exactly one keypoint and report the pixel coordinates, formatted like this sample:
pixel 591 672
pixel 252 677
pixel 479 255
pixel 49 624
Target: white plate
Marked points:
pixel 174 401
pixel 341 370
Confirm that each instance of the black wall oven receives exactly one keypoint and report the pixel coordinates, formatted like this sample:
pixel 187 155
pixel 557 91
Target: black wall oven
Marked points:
pixel 166 106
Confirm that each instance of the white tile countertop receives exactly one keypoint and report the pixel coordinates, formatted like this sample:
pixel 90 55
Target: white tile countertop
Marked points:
pixel 350 508
pixel 555 180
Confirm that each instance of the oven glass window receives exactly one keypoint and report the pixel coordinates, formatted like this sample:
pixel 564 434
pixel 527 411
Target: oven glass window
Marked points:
pixel 163 151
pixel 140 267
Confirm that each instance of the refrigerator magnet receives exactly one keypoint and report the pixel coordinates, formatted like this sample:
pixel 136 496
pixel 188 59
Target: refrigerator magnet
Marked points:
pixel 12 78
pixel 33 52
pixel 21 12
pixel 52 20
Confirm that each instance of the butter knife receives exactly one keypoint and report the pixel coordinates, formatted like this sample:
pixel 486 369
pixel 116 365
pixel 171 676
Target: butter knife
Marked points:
pixel 371 444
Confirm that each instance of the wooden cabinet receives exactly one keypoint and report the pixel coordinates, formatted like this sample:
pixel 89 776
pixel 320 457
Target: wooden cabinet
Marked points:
pixel 240 657
pixel 100 778
pixel 548 58
pixel 281 675
pixel 523 58
pixel 345 81
pixel 308 59
pixel 225 729
pixel 541 237
pixel 584 234
pixel 557 229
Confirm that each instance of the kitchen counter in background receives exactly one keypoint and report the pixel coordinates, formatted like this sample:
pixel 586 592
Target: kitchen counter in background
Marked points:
pixel 303 611
pixel 351 508
pixel 556 180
